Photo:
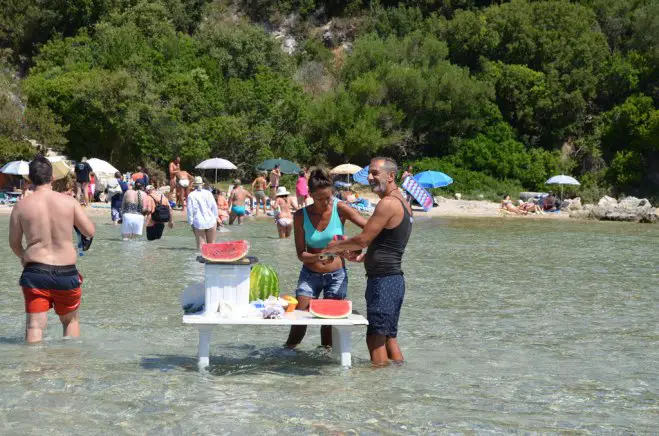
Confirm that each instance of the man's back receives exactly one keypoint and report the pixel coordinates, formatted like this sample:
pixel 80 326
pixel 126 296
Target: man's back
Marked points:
pixel 47 219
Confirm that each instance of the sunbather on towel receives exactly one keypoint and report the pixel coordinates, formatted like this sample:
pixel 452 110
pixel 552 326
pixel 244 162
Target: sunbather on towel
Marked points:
pixel 508 206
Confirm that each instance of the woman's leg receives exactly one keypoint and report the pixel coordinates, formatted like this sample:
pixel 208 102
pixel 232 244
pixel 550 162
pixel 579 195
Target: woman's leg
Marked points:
pixel 298 331
pixel 210 235
pixel 200 237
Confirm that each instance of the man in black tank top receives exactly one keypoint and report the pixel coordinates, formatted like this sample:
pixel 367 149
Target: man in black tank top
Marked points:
pixel 386 234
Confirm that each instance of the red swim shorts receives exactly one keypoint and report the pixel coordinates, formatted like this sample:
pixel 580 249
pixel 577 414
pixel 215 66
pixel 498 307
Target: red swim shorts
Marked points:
pixel 41 300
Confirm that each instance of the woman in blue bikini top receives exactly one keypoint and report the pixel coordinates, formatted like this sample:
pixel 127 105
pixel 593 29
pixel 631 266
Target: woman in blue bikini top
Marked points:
pixel 315 226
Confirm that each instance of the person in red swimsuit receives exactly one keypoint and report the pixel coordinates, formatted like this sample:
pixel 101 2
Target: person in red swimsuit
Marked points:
pixel 50 279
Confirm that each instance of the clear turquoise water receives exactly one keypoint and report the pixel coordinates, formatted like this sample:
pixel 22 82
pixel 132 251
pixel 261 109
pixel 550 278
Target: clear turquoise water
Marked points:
pixel 508 325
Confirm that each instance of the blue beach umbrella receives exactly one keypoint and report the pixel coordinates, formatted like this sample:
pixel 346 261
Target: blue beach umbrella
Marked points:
pixel 361 176
pixel 433 179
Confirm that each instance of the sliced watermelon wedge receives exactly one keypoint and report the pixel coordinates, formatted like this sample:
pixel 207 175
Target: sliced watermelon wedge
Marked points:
pixel 330 309
pixel 230 251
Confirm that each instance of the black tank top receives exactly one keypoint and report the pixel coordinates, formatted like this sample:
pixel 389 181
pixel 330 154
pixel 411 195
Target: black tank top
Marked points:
pixel 385 253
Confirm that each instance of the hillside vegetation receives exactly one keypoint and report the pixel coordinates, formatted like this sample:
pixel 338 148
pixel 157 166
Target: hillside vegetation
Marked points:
pixel 500 95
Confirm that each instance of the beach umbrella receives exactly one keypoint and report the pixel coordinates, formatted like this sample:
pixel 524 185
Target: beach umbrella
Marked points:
pixel 345 169
pixel 286 166
pixel 100 166
pixel 16 168
pixel 562 180
pixel 60 168
pixel 361 176
pixel 433 179
pixel 216 164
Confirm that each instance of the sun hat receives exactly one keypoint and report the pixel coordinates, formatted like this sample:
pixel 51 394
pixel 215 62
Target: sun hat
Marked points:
pixel 198 180
pixel 282 191
pixel 149 188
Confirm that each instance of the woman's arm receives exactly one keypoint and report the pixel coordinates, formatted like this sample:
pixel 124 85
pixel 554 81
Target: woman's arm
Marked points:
pixel 300 245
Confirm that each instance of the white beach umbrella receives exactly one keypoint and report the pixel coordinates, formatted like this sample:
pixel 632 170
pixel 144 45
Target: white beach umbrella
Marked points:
pixel 562 180
pixel 99 166
pixel 216 164
pixel 17 168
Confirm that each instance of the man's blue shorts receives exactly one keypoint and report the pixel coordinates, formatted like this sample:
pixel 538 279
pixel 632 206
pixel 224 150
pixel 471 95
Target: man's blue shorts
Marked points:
pixel 333 285
pixel 384 298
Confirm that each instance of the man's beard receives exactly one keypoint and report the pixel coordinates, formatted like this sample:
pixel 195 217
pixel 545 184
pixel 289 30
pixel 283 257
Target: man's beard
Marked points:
pixel 378 187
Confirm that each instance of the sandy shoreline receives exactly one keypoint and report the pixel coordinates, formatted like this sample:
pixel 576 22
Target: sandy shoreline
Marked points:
pixel 447 208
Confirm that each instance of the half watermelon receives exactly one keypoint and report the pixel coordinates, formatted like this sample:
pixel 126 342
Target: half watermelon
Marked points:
pixel 224 252
pixel 330 309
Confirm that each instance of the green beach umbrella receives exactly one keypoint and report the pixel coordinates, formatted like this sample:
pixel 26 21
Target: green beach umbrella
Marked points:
pixel 286 166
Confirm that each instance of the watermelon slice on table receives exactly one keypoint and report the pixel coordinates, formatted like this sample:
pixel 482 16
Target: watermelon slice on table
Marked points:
pixel 330 309
pixel 230 251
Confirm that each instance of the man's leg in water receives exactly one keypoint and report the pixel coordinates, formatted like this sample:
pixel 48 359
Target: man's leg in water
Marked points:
pixel 35 324
pixel 298 331
pixel 393 350
pixel 232 218
pixel 71 324
pixel 377 348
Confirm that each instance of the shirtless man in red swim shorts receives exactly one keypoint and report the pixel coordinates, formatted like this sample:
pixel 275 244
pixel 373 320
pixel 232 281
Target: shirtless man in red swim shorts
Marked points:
pixel 50 278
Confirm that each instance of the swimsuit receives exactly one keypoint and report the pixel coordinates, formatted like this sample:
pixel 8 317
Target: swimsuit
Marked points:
pixel 317 239
pixel 260 195
pixel 238 210
pixel 184 183
pixel 45 286
pixel 284 222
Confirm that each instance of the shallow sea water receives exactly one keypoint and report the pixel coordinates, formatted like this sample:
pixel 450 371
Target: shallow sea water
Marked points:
pixel 508 325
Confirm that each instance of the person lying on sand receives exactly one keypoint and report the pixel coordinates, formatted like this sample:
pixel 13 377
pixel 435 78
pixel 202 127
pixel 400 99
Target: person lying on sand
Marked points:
pixel 508 206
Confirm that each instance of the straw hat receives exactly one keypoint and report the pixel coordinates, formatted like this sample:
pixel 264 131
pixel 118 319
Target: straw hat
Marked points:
pixel 281 191
pixel 198 180
pixel 149 188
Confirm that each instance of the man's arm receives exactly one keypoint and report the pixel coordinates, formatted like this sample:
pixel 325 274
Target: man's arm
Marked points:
pixel 16 234
pixel 383 213
pixel 82 221
pixel 352 214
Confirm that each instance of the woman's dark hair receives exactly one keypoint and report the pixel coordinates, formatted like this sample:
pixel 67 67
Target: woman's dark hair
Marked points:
pixel 301 174
pixel 505 195
pixel 117 175
pixel 319 179
pixel 41 171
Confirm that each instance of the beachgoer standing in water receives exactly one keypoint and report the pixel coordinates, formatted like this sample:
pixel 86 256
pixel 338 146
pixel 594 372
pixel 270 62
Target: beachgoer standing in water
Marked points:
pixel 133 208
pixel 182 187
pixel 116 192
pixel 275 175
pixel 258 189
pixel 237 202
pixel 162 213
pixel 202 213
pixel 174 167
pixel 302 189
pixel 320 274
pixel 385 234
pixel 282 212
pixel 82 171
pixel 50 278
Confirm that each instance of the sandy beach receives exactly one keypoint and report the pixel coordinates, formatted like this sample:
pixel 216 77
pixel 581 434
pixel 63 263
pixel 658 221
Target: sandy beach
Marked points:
pixel 446 208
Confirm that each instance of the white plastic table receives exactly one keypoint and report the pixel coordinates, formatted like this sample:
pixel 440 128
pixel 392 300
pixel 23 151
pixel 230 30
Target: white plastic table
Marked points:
pixel 341 330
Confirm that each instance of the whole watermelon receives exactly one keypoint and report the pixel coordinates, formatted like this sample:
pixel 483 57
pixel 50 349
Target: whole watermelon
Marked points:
pixel 263 282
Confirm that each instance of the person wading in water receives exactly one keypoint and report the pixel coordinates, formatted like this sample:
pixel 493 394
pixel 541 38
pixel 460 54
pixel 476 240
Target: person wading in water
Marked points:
pixel 385 234
pixel 50 279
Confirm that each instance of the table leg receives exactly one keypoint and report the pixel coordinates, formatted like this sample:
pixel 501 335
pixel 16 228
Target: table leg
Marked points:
pixel 203 354
pixel 342 343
